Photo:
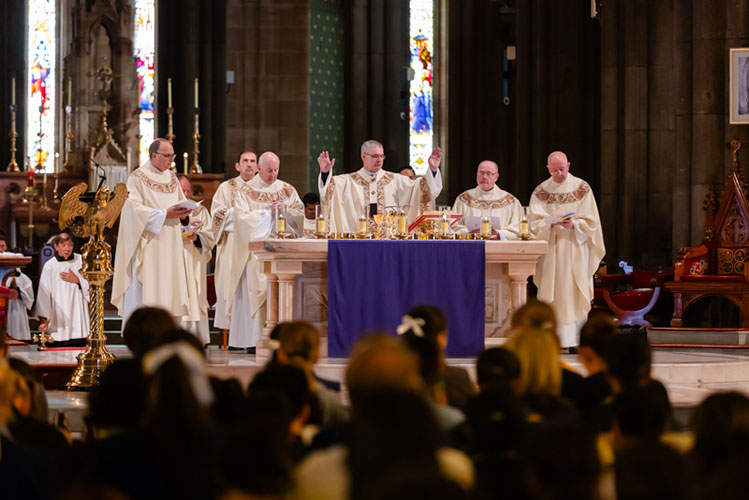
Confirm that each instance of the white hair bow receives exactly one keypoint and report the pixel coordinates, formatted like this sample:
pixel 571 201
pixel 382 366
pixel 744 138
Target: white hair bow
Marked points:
pixel 412 324
pixel 193 362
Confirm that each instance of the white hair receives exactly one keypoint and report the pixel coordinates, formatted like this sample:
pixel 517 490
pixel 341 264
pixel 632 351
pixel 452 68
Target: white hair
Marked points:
pixel 367 145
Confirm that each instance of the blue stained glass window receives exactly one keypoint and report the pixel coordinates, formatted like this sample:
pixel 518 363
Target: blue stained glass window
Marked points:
pixel 421 109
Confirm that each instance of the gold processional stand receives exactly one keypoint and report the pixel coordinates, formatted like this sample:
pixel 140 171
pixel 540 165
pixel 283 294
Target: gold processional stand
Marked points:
pixel 87 214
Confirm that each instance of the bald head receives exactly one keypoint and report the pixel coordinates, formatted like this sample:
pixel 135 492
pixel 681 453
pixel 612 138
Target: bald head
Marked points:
pixel 558 166
pixel 269 164
pixel 487 175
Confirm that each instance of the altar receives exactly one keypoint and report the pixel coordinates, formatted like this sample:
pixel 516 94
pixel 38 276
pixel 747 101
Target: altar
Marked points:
pixel 297 280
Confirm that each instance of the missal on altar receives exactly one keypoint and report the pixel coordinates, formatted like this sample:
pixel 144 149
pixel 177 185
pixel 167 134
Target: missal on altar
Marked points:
pixel 426 221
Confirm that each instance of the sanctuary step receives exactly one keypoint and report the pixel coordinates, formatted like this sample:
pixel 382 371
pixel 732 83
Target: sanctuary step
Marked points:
pixel 737 338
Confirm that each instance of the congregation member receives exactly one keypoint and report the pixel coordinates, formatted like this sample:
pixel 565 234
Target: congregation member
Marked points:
pixel 408 172
pixel 149 266
pixel 563 212
pixel 21 300
pixel 198 241
pixel 347 196
pixel 62 298
pixel 311 202
pixel 488 198
pixel 255 206
pixel 222 211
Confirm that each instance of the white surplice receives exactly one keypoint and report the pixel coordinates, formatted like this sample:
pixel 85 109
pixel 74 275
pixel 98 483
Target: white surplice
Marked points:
pixel 222 213
pixel 252 220
pixel 149 265
pixel 345 197
pixel 564 276
pixel 196 262
pixel 18 317
pixel 497 202
pixel 65 305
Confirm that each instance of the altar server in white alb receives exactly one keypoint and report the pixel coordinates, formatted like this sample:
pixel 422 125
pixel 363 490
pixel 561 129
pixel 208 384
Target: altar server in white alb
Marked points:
pixel 255 207
pixel 346 196
pixel 487 198
pixel 62 298
pixel 21 298
pixel 222 212
pixel 563 212
pixel 198 242
pixel 149 265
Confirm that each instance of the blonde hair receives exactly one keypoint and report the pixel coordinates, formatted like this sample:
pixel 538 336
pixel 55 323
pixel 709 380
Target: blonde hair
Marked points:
pixel 535 315
pixel 538 353
pixel 12 385
pixel 299 339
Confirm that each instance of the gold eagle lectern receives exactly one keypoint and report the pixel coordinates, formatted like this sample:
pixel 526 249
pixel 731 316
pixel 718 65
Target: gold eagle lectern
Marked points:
pixel 87 214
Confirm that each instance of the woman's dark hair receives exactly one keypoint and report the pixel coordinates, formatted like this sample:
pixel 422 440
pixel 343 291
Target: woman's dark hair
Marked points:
pixel 391 430
pixel 497 367
pixel 143 328
pixel 721 429
pixel 435 321
pixel 428 352
pixel 177 425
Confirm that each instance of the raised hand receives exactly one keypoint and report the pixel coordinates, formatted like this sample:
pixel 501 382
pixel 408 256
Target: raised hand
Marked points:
pixel 435 159
pixel 326 164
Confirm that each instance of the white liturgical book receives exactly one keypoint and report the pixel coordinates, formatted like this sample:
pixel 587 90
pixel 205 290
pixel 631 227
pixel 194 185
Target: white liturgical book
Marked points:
pixel 189 204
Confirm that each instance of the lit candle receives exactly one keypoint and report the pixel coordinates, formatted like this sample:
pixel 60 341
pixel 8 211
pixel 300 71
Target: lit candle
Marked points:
pixel 31 175
pixel 402 222
pixel 281 223
pixel 524 233
pixel 70 91
pixel 184 158
pixel 169 92
pixel 485 226
pixel 321 224
pixel 44 184
pixel 196 93
pixel 362 224
pixel 57 162
pixel 13 91
pixel 445 229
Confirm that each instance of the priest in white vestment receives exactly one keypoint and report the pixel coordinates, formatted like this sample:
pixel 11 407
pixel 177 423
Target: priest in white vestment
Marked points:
pixel 198 241
pixel 255 206
pixel 488 199
pixel 346 196
pixel 149 264
pixel 62 298
pixel 563 212
pixel 21 297
pixel 222 212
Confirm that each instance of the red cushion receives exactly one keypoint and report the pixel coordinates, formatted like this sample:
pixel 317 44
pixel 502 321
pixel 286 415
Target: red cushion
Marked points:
pixel 634 300
pixel 642 279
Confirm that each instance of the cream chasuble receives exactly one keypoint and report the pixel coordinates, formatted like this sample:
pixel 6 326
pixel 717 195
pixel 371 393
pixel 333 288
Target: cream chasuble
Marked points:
pixel 222 212
pixel 564 276
pixel 345 197
pixel 252 220
pixel 65 305
pixel 156 260
pixel 196 262
pixel 502 204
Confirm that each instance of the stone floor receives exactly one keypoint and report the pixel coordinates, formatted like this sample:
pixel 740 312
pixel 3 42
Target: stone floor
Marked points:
pixel 688 374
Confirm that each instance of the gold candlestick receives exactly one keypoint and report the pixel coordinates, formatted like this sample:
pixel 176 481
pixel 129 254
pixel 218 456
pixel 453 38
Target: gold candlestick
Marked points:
pixel 55 192
pixel 101 212
pixel 68 135
pixel 13 165
pixel 196 169
pixel 170 125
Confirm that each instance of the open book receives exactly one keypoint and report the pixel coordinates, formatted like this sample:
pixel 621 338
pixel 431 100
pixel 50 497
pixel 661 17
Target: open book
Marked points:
pixel 553 220
pixel 188 204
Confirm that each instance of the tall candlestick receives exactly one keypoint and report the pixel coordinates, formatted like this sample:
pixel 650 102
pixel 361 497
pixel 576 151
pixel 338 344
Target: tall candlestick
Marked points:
pixel 70 91
pixel 169 92
pixel 57 163
pixel 184 157
pixel 13 91
pixel 196 93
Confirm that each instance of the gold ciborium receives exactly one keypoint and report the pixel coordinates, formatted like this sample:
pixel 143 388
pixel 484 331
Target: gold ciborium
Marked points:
pixel 87 214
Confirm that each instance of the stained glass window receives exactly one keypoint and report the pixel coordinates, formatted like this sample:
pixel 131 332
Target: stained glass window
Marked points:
pixel 145 54
pixel 420 104
pixel 40 93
